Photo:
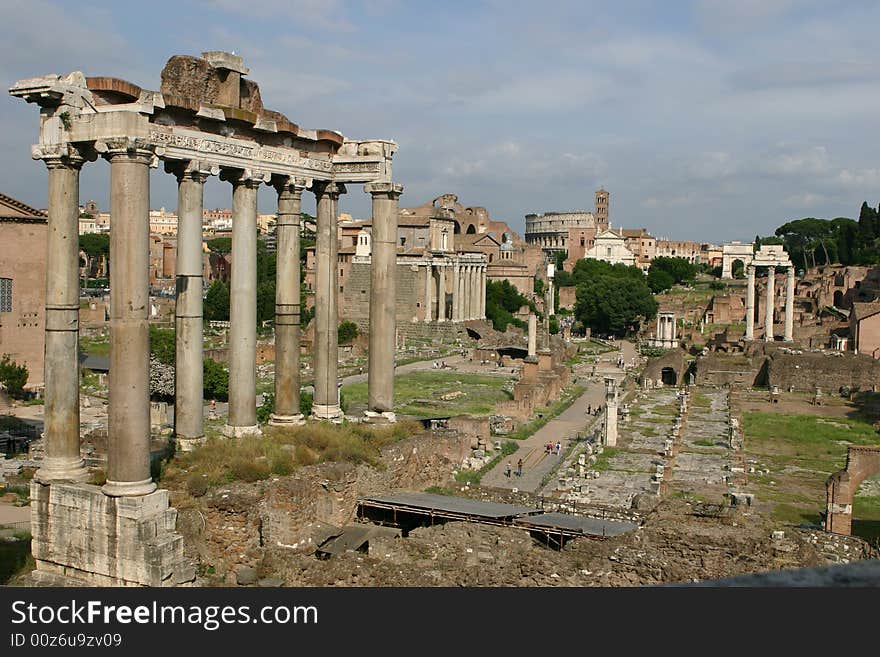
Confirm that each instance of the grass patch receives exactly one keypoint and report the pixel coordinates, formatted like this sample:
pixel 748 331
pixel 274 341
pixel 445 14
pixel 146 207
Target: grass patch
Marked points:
pixel 421 394
pixel 699 400
pixel 546 414
pixel 96 346
pixel 603 460
pixel 704 443
pixel 15 559
pixel 279 451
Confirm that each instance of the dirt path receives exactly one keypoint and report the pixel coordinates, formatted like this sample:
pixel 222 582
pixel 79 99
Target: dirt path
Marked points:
pixel 564 428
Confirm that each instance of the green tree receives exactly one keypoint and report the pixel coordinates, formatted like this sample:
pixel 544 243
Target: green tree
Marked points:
pixel 502 300
pixel 679 269
pixel 94 245
pixel 659 280
pixel 13 376
pixel 216 306
pixel 162 345
pixel 222 246
pixel 347 332
pixel 215 380
pixel 614 304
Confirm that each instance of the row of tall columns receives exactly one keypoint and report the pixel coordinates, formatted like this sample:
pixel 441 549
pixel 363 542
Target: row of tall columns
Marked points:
pixel 769 304
pixel 468 292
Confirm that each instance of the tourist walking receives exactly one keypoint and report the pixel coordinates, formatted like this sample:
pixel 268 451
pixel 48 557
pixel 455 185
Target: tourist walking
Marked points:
pixel 508 470
pixel 558 448
pixel 519 468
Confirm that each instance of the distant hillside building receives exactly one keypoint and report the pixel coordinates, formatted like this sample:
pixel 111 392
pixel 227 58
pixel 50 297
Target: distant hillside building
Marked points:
pixel 23 235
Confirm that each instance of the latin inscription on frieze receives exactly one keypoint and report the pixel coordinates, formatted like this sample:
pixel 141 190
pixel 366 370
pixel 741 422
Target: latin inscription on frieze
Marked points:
pixel 358 167
pixel 256 153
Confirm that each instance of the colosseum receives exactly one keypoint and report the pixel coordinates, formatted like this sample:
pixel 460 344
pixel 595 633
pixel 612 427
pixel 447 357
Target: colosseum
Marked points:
pixel 573 232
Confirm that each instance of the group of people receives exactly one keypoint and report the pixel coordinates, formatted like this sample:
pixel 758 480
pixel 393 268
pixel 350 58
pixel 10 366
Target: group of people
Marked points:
pixel 594 411
pixel 438 365
pixel 509 469
pixel 550 448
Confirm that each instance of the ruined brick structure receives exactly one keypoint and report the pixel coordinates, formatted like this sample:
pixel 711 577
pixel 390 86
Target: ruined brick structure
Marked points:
pixel 861 463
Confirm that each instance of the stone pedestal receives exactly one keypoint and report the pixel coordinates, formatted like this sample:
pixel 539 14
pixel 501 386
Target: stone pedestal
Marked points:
pixel 86 538
pixel 530 368
pixel 545 361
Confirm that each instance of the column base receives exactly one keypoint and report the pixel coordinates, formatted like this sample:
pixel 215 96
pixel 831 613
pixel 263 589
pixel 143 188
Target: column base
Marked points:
pixel 83 537
pixel 188 443
pixel 240 432
pixel 327 412
pixel 128 488
pixel 286 420
pixel 376 417
pixel 62 469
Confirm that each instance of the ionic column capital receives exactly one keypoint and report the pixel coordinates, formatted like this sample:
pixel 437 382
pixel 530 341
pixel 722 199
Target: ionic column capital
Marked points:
pixel 191 170
pixel 61 156
pixel 390 190
pixel 329 189
pixel 290 188
pixel 250 178
pixel 132 148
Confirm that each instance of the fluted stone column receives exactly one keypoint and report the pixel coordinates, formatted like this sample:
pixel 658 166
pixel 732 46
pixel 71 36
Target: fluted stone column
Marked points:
pixel 326 404
pixel 551 308
pixel 128 453
pixel 62 461
pixel 441 294
pixel 287 303
pixel 242 419
pixel 429 282
pixel 789 305
pixel 188 322
pixel 609 435
pixel 456 297
pixel 383 298
pixel 769 302
pixel 471 292
pixel 750 304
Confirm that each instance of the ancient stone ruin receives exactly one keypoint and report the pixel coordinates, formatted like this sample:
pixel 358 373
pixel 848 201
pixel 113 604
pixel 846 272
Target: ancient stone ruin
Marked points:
pixel 207 119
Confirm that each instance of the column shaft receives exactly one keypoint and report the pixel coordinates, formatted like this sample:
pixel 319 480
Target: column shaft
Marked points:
pixel 326 404
pixel 383 297
pixel 61 366
pixel 769 303
pixel 456 297
pixel 287 304
pixel 441 294
pixel 533 334
pixel 188 322
pixel 128 454
pixel 481 295
pixel 242 419
pixel 429 283
pixel 469 286
pixel 789 305
pixel 750 304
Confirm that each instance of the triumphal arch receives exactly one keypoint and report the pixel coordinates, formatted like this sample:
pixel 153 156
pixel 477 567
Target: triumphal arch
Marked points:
pixel 207 119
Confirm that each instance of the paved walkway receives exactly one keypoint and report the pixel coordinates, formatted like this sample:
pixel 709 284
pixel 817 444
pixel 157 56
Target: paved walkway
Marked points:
pixel 564 428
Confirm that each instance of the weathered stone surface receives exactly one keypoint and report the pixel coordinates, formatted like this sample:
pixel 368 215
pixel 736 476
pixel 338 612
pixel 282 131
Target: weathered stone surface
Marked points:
pixel 245 575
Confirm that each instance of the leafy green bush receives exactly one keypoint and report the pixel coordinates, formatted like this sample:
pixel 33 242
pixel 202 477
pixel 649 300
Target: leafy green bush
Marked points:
pixel 347 332
pixel 215 380
pixel 13 376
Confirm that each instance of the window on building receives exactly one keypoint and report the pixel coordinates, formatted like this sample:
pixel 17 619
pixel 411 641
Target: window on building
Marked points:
pixel 609 251
pixel 403 241
pixel 5 295
pixel 582 241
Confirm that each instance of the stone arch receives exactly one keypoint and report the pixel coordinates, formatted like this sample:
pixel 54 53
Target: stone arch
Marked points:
pixel 861 463
pixel 471 229
pixel 735 251
pixel 838 298
pixel 668 376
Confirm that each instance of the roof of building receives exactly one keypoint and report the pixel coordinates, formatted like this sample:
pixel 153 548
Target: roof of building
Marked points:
pixel 12 209
pixel 862 310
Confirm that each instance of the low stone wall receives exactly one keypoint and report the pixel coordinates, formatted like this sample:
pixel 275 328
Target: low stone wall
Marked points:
pixel 829 370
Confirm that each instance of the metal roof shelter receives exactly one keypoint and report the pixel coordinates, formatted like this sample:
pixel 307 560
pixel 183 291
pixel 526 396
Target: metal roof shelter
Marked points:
pixel 555 527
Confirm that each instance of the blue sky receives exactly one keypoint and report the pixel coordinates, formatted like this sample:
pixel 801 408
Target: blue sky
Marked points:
pixel 705 119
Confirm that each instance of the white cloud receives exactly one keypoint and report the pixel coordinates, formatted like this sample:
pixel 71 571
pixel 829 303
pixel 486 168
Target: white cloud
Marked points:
pixel 321 14
pixel 860 178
